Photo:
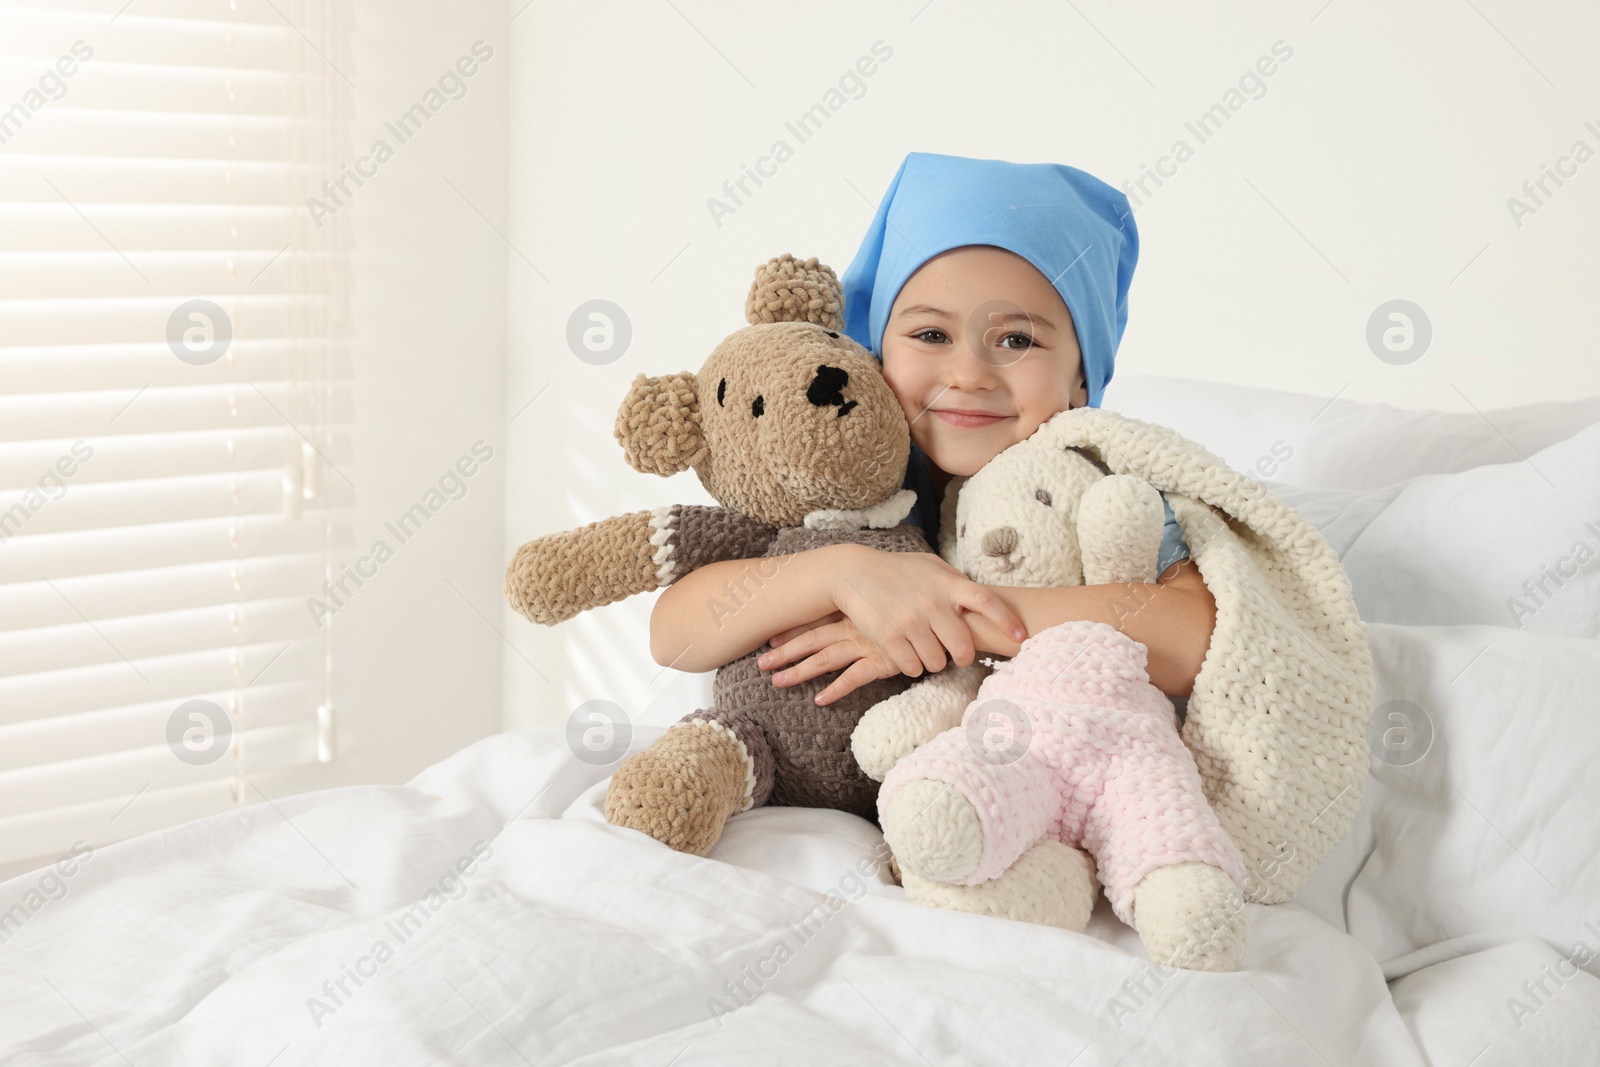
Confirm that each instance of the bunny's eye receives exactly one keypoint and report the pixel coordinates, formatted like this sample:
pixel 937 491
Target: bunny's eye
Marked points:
pixel 962 532
pixel 722 391
pixel 758 407
pixel 1042 497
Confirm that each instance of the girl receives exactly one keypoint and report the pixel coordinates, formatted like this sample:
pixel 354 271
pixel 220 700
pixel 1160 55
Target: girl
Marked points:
pixel 995 295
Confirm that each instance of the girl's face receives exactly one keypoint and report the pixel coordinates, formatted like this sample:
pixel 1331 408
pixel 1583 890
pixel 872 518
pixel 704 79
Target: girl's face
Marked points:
pixel 980 351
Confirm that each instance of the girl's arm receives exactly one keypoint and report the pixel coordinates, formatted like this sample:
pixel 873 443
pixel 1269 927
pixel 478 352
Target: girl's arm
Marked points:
pixel 1172 617
pixel 721 611
pixel 912 606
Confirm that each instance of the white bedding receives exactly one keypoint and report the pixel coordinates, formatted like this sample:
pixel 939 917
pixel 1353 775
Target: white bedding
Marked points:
pixel 578 942
pixel 570 941
pixel 1458 926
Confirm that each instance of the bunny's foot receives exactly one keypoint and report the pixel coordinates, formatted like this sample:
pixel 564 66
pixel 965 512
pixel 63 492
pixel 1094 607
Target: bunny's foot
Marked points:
pixel 933 831
pixel 1191 915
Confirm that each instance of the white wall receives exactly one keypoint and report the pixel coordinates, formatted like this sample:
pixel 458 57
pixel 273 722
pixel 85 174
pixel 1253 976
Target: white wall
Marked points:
pixel 1375 165
pixel 429 315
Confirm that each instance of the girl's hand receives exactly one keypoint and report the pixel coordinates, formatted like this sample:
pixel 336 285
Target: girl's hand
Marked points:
pixel 795 631
pixel 909 604
pixel 829 644
pixel 899 612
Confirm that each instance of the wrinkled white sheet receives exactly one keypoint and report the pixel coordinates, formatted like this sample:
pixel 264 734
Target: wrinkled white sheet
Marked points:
pixel 571 941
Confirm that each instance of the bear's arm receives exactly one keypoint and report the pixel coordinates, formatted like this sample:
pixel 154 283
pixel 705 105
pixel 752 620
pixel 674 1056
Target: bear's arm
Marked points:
pixel 553 578
pixel 689 536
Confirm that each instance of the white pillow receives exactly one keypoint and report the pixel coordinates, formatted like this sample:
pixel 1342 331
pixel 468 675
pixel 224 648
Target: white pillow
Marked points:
pixel 1274 435
pixel 1486 822
pixel 1500 719
pixel 1482 546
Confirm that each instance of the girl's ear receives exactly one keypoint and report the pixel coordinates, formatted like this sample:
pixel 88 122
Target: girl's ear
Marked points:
pixel 659 424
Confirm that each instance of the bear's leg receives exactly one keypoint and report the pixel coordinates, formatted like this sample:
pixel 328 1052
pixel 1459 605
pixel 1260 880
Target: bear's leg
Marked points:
pixel 1051 883
pixel 954 813
pixel 681 790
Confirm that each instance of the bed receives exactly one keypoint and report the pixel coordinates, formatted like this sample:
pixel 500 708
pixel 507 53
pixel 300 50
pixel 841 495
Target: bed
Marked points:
pixel 486 913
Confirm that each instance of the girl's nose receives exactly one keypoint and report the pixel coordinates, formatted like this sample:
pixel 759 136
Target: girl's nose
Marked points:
pixel 968 369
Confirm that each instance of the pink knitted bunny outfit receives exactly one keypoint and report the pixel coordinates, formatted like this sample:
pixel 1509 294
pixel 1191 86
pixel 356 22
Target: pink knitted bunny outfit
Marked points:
pixel 1095 763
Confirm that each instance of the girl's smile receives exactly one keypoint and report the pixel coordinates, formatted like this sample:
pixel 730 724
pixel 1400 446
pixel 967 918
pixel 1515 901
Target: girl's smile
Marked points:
pixel 960 417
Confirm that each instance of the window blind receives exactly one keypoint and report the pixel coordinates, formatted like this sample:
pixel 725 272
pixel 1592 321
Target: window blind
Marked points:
pixel 175 462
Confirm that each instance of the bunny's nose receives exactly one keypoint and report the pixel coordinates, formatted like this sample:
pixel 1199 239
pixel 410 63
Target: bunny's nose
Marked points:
pixel 1001 541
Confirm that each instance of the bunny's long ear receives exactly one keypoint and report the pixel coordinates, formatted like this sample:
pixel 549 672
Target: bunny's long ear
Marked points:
pixel 947 521
pixel 659 424
pixel 787 289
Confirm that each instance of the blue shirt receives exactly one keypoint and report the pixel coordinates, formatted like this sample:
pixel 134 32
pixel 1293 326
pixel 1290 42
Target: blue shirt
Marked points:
pixel 925 513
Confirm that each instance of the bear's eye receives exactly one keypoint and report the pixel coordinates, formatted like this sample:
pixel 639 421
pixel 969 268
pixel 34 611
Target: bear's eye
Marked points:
pixel 722 391
pixel 758 407
pixel 1042 497
pixel 832 333
pixel 962 530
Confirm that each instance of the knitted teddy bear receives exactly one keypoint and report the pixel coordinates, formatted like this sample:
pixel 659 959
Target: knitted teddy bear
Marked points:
pixel 792 429
pixel 1089 751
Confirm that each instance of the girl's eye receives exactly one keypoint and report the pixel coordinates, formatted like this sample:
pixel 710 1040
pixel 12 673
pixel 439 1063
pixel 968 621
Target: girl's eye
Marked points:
pixel 1008 342
pixel 932 336
pixel 1043 497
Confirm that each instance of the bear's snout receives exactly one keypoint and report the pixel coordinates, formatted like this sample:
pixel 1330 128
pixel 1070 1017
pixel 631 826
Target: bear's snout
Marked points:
pixel 827 388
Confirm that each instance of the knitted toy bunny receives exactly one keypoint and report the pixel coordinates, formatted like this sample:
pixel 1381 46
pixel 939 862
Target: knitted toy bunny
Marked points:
pixel 1090 753
pixel 791 427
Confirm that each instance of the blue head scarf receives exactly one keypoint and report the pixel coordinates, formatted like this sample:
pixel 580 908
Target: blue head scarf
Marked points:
pixel 1076 229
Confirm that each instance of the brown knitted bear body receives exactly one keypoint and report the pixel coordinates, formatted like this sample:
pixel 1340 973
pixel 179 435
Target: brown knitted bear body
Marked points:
pixel 812 764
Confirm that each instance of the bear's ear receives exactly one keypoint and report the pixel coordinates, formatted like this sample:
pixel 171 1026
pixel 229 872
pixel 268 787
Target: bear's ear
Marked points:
pixel 659 424
pixel 787 289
